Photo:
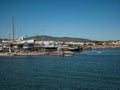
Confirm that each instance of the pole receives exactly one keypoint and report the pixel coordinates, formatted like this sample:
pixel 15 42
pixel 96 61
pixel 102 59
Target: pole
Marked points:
pixel 13 27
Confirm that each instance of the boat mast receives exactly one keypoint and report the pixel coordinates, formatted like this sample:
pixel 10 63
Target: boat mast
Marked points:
pixel 2 36
pixel 13 27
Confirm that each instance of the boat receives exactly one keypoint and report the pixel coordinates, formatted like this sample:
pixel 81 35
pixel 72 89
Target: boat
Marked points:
pixel 50 46
pixel 74 48
pixel 99 52
pixel 27 47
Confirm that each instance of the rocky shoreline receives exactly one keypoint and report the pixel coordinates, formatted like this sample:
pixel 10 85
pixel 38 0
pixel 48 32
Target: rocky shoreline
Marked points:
pixel 39 53
pixel 36 53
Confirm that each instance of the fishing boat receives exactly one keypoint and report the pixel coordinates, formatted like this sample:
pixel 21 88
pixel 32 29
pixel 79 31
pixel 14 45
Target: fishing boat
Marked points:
pixel 27 47
pixel 74 48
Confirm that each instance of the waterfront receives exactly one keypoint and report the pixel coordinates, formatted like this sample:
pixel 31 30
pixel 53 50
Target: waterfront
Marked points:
pixel 87 70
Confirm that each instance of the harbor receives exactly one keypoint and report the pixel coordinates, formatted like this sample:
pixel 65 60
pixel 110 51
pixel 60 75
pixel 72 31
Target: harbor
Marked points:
pixel 32 47
pixel 35 46
pixel 29 50
pixel 59 44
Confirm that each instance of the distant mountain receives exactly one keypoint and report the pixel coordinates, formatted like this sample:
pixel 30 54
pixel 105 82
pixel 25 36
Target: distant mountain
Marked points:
pixel 50 38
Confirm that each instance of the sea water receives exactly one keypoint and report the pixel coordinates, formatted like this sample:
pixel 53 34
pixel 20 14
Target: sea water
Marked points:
pixel 87 70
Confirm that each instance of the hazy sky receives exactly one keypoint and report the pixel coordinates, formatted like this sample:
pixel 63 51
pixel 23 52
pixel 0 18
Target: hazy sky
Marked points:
pixel 91 19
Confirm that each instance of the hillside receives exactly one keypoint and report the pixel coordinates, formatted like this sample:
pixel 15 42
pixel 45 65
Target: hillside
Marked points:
pixel 50 38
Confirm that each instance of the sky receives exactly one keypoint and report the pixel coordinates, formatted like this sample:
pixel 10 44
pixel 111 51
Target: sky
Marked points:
pixel 90 19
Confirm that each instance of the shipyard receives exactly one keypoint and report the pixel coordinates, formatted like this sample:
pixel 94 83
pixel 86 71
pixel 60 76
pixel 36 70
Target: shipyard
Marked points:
pixel 48 45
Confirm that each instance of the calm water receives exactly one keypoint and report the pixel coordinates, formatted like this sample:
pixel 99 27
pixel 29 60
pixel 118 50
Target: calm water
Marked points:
pixel 89 70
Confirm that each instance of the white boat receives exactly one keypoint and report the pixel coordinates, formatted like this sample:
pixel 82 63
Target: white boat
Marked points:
pixel 50 45
pixel 27 47
pixel 73 48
